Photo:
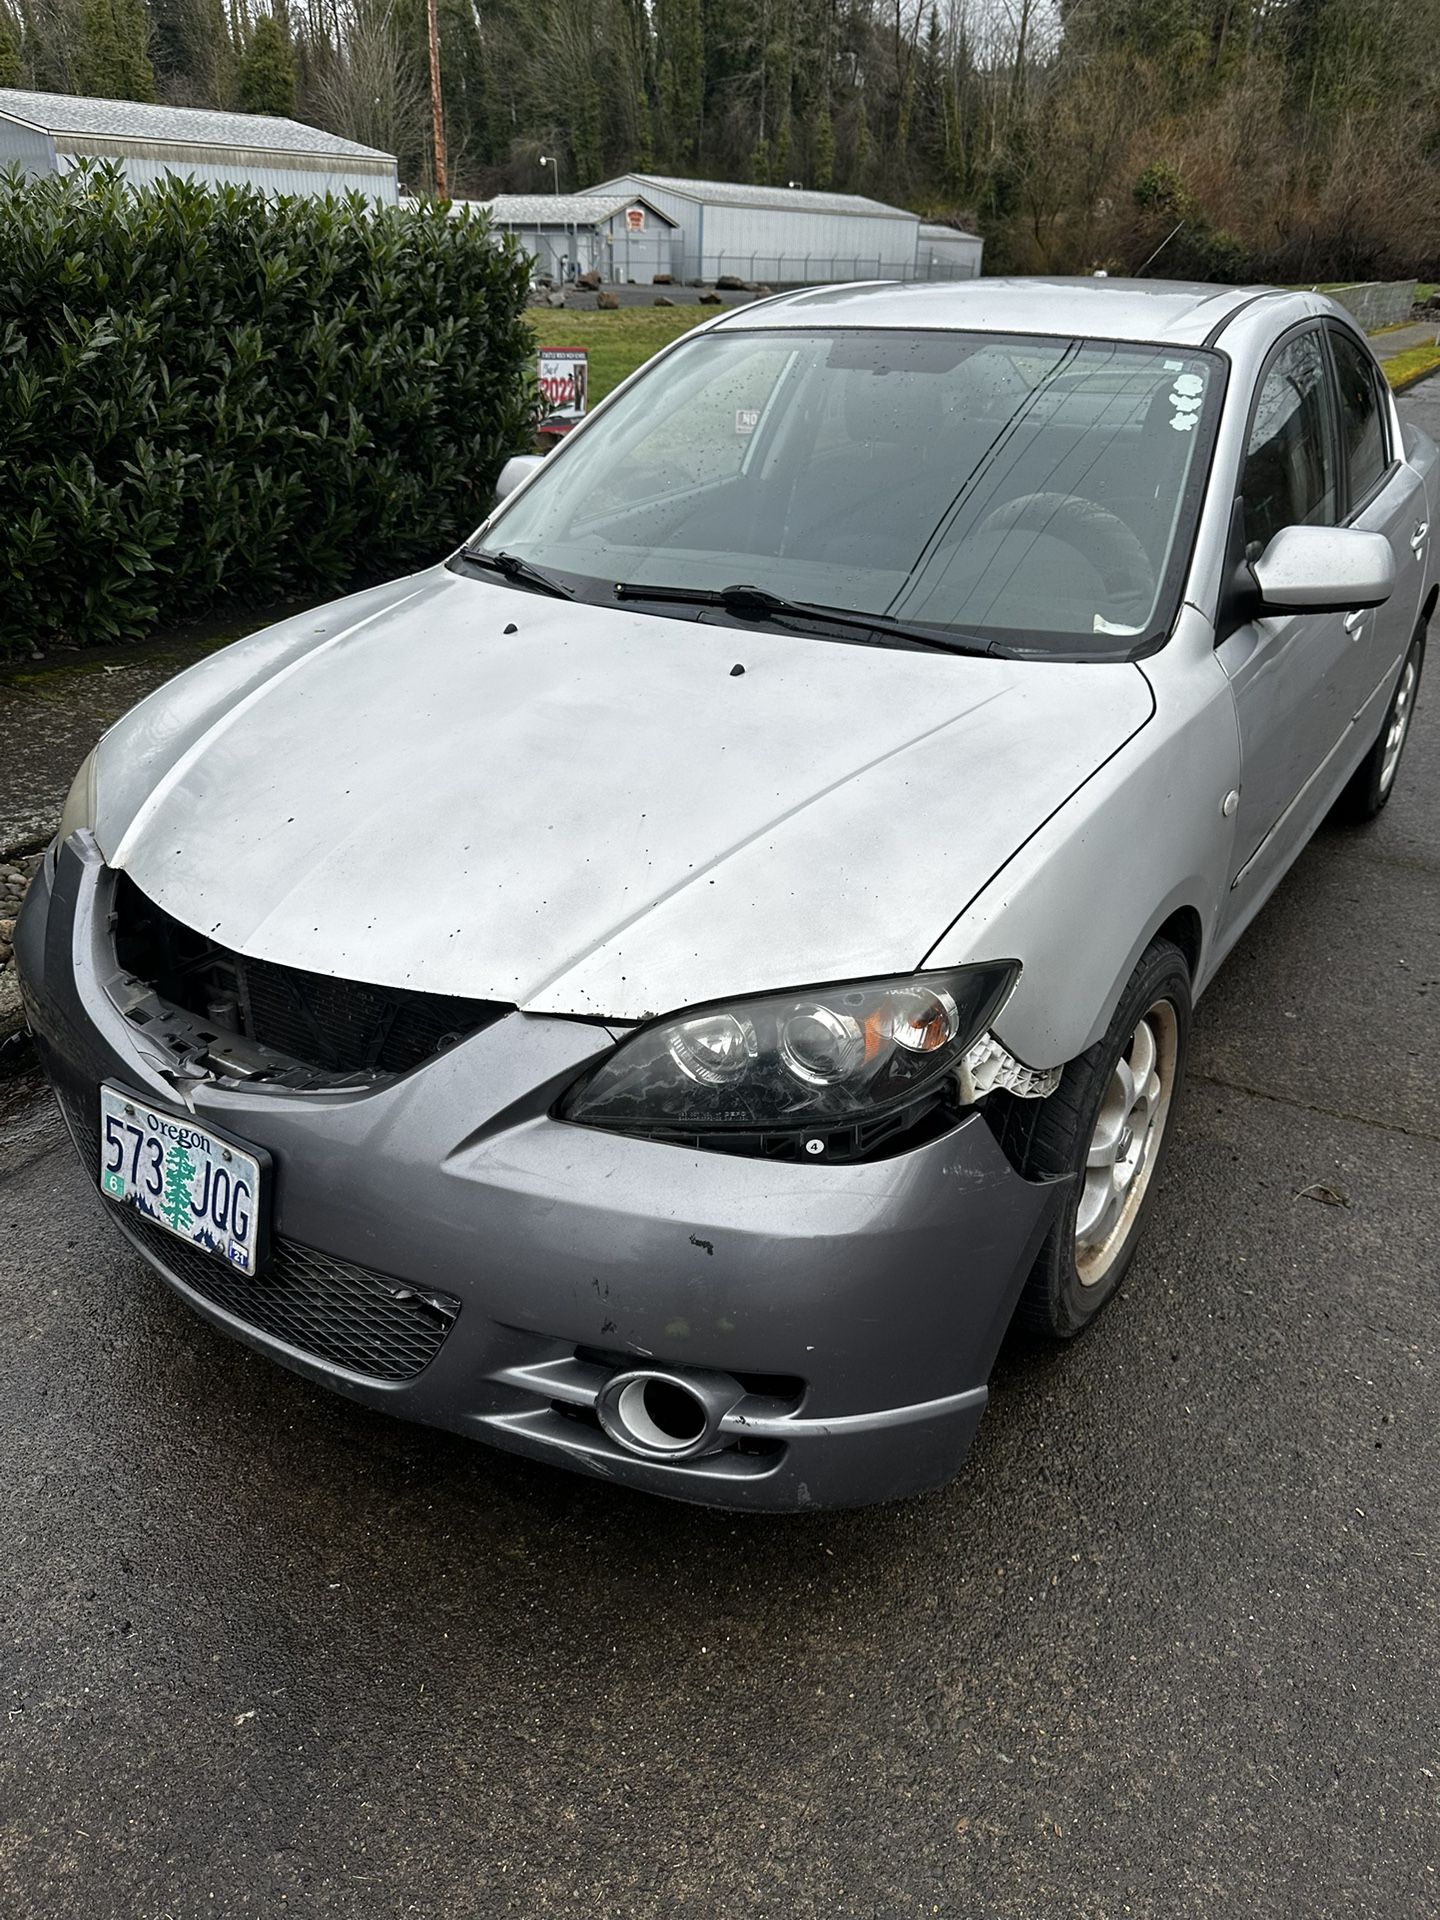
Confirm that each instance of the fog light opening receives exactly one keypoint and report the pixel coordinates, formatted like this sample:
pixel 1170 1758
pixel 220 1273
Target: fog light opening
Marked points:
pixel 656 1414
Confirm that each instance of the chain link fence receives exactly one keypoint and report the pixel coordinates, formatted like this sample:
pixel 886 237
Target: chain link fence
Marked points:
pixel 566 253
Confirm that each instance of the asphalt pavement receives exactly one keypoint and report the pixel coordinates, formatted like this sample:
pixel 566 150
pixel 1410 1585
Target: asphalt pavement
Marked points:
pixel 1166 1648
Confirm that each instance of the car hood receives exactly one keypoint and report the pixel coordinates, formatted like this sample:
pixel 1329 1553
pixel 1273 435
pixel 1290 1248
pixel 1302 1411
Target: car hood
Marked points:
pixel 456 787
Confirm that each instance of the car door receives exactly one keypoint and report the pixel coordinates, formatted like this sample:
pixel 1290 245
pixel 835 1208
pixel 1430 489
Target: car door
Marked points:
pixel 1293 676
pixel 1383 495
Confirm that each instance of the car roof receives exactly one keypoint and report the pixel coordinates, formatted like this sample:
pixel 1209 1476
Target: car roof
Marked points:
pixel 1160 311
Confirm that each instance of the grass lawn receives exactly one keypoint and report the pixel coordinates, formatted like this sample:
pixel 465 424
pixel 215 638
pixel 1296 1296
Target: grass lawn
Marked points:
pixel 617 342
pixel 1401 369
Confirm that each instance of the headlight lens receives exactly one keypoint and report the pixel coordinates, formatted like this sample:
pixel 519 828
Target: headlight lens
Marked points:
pixel 79 808
pixel 828 1057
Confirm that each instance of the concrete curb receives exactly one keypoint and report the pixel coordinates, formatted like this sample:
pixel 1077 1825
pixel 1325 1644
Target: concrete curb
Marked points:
pixel 35 839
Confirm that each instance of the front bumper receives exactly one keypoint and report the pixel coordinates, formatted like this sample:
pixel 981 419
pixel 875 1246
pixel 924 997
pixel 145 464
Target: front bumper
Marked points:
pixel 860 1306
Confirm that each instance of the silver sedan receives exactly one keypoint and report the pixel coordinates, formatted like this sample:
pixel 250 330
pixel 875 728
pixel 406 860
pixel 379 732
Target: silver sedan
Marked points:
pixel 666 989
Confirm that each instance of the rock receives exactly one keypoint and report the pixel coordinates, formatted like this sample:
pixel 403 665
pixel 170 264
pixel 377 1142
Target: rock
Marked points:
pixel 608 302
pixel 729 283
pixel 711 300
pixel 7 932
pixel 662 301
pixel 697 283
pixel 592 280
pixel 12 1015
pixel 554 299
pixel 764 293
pixel 661 280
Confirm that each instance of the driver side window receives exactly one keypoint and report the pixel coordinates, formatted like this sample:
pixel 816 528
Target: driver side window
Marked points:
pixel 1289 474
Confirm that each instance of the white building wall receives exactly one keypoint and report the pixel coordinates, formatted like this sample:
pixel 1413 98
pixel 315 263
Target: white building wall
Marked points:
pixel 25 147
pixel 563 251
pixel 636 256
pixel 146 161
pixel 771 245
pixel 955 257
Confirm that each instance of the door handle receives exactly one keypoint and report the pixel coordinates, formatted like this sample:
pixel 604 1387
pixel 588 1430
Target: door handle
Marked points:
pixel 1417 539
pixel 1354 622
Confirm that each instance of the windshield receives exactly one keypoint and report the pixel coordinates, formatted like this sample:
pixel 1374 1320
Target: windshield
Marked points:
pixel 1038 493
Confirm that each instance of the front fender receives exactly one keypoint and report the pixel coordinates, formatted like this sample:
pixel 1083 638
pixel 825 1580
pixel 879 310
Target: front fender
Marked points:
pixel 1145 836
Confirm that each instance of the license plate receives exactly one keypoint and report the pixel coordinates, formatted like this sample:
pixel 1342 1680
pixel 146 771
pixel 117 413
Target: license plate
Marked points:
pixel 183 1177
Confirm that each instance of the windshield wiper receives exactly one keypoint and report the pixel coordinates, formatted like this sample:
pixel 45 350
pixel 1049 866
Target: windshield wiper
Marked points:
pixel 512 567
pixel 758 603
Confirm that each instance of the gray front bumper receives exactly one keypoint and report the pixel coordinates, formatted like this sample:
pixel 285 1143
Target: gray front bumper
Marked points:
pixel 885 1288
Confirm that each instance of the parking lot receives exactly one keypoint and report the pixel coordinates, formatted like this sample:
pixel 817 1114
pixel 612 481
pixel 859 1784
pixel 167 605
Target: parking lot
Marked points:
pixel 1166 1648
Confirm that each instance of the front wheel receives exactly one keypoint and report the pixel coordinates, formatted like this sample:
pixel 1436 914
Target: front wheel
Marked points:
pixel 1105 1128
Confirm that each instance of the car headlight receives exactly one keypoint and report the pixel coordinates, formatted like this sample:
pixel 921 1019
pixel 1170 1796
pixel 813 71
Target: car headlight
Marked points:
pixel 79 808
pixel 821 1064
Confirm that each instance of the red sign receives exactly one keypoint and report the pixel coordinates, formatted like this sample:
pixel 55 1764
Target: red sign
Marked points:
pixel 635 219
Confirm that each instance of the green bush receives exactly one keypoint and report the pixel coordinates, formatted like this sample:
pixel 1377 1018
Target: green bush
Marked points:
pixel 205 392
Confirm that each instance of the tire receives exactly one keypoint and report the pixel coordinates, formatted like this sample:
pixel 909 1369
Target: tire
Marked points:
pixel 1074 1279
pixel 1373 781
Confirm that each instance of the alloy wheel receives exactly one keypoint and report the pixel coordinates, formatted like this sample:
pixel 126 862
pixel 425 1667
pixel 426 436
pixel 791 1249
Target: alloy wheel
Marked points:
pixel 1125 1142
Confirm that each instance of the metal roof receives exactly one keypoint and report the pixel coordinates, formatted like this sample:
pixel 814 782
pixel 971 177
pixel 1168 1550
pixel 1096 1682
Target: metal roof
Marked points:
pixel 727 193
pixel 937 230
pixel 562 209
pixel 1182 312
pixel 71 115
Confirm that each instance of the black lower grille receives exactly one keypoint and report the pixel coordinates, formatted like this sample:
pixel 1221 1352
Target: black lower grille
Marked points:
pixel 331 1309
pixel 339 1026
pixel 328 1308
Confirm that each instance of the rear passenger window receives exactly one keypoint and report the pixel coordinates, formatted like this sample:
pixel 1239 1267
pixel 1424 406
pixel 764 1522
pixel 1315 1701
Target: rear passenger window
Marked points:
pixel 1362 428
pixel 1289 477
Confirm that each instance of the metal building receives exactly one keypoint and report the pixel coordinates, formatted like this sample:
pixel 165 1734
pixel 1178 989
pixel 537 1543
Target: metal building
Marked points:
pixel 777 235
pixel 54 132
pixel 945 253
pixel 623 236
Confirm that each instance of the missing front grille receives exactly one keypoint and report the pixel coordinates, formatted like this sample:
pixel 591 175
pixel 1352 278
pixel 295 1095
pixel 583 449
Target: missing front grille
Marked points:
pixel 335 1026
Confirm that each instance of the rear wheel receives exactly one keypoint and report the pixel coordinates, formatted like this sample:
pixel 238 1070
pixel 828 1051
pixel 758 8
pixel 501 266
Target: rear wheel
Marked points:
pixel 1373 781
pixel 1106 1127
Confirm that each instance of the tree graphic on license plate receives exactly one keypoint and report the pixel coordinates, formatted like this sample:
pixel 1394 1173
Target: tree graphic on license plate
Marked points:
pixel 179 1175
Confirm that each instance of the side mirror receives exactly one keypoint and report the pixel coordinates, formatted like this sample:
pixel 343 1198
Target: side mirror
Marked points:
pixel 518 467
pixel 1324 570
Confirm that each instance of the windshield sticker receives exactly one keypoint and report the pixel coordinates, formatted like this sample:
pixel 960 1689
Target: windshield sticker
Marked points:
pixel 1102 625
pixel 746 419
pixel 1185 397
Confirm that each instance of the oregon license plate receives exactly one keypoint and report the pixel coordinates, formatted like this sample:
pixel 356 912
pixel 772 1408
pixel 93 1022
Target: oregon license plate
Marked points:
pixel 183 1177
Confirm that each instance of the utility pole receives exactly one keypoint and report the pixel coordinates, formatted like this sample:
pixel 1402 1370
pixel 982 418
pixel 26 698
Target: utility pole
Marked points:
pixel 437 108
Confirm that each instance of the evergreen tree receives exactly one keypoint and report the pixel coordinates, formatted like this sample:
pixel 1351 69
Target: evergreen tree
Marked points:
pixel 191 51
pixel 12 66
pixel 822 151
pixel 109 59
pixel 680 42
pixel 265 77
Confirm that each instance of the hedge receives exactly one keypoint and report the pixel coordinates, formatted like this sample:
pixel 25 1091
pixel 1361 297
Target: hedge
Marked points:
pixel 204 392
